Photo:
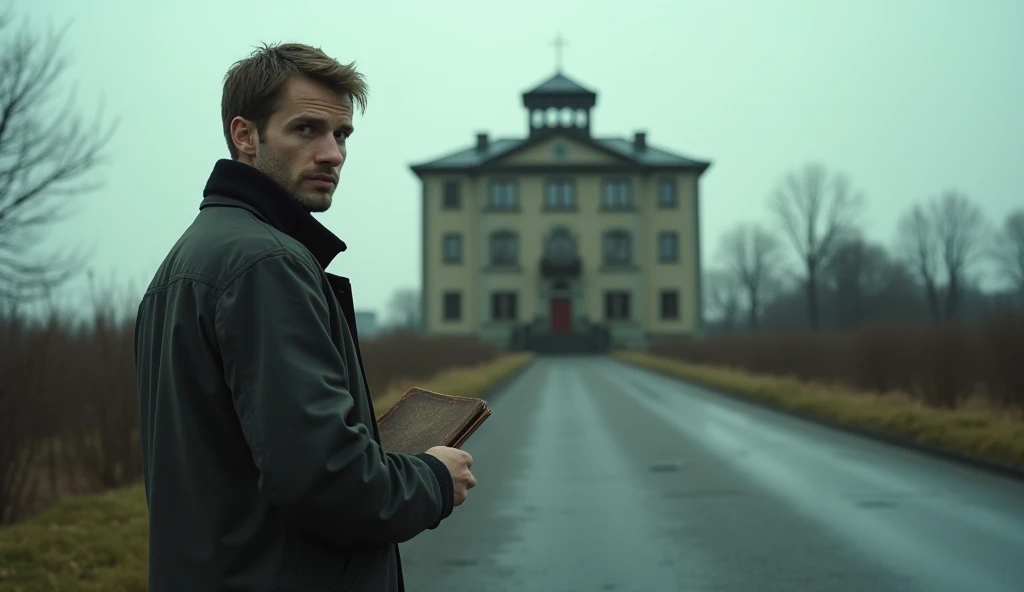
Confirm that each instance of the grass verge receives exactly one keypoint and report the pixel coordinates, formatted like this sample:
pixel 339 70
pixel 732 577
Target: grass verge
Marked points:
pixel 469 381
pixel 977 433
pixel 90 543
pixel 99 542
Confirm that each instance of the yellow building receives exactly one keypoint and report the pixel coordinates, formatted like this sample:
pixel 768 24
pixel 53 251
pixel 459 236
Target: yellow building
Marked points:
pixel 561 240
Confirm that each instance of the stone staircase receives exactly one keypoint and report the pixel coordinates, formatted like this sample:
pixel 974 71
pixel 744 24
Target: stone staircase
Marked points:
pixel 585 340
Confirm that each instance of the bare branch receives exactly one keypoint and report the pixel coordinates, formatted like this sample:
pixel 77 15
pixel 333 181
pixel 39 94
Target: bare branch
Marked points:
pixel 750 254
pixel 815 211
pixel 958 225
pixel 1007 250
pixel 723 296
pixel 918 245
pixel 46 155
pixel 29 281
pixel 939 241
pixel 958 228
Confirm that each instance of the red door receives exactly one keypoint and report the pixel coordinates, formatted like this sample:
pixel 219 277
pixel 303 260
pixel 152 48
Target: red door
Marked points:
pixel 561 315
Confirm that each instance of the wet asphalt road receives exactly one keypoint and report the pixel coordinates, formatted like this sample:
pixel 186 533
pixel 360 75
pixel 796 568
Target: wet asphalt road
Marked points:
pixel 596 476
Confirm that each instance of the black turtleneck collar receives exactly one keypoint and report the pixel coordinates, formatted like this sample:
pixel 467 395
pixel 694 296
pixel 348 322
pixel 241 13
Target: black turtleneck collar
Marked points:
pixel 247 184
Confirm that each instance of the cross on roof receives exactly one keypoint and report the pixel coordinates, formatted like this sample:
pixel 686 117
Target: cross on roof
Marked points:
pixel 559 43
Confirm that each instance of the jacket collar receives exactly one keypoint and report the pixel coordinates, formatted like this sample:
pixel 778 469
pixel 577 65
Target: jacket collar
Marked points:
pixel 271 202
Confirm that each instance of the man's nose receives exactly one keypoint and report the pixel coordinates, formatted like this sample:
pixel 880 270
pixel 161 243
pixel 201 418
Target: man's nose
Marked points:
pixel 330 153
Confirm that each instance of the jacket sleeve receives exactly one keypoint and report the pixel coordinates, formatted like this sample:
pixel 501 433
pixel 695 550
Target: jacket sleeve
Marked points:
pixel 291 390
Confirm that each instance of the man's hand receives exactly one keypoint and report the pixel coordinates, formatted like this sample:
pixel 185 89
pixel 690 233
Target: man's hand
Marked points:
pixel 458 462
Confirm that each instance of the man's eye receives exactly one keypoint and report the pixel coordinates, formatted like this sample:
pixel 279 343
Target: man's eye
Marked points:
pixel 302 129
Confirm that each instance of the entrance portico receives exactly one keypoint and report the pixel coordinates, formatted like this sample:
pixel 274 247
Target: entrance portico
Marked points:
pixel 561 297
pixel 560 269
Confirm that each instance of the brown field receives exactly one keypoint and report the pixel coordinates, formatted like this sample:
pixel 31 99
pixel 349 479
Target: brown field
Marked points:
pixel 946 366
pixel 68 406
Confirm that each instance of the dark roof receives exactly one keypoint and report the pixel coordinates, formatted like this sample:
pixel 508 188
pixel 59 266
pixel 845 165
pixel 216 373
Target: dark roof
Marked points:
pixel 471 158
pixel 649 156
pixel 559 84
pixel 556 92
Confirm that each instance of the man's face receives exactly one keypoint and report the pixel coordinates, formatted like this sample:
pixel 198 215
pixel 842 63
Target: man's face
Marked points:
pixel 303 144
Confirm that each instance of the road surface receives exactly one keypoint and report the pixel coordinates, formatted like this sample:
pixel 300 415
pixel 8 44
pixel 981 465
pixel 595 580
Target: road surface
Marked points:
pixel 597 476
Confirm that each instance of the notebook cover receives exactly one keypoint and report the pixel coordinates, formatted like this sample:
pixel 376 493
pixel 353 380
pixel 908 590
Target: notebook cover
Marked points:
pixel 472 428
pixel 422 419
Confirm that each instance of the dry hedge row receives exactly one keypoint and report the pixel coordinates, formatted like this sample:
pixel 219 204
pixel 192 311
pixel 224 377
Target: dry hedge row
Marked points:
pixel 941 364
pixel 69 411
pixel 409 356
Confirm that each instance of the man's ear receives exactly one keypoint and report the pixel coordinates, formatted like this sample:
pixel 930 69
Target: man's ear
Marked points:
pixel 245 137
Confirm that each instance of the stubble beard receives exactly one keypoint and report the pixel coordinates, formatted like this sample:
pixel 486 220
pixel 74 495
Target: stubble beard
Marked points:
pixel 268 163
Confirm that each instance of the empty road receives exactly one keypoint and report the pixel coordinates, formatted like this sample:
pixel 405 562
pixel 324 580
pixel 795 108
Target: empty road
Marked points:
pixel 597 476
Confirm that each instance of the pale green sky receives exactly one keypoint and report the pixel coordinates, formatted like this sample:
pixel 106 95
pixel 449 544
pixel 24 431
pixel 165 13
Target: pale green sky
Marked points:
pixel 907 97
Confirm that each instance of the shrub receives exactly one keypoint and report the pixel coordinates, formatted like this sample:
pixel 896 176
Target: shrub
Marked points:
pixel 409 355
pixel 69 408
pixel 942 365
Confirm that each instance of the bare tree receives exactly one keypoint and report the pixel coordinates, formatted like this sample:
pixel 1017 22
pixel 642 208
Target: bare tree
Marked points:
pixel 751 254
pixel 404 309
pixel 1007 251
pixel 855 274
pixel 939 241
pixel 918 245
pixel 959 228
pixel 45 156
pixel 816 210
pixel 722 294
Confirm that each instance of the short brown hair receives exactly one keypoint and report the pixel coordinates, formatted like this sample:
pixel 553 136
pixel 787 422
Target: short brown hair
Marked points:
pixel 252 86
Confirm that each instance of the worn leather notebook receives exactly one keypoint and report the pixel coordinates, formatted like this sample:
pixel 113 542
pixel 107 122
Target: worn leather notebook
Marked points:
pixel 422 419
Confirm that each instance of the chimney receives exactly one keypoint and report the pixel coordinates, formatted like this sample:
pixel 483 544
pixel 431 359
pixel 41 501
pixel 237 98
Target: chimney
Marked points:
pixel 640 141
pixel 481 142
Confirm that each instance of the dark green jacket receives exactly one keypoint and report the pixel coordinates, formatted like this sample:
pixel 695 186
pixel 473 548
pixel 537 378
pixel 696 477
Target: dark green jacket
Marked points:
pixel 262 463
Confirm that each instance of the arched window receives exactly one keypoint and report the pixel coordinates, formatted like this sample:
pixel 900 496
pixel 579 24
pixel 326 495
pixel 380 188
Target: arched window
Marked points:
pixel 560 244
pixel 618 248
pixel 552 115
pixel 504 248
pixel 567 117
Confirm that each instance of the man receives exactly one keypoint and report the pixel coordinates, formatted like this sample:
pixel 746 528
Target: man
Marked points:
pixel 262 462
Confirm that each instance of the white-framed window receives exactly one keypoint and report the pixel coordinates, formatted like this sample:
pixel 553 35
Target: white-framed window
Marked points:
pixel 668 246
pixel 504 248
pixel 503 306
pixel 560 194
pixel 616 305
pixel 616 194
pixel 503 195
pixel 667 197
pixel 669 304
pixel 452 195
pixel 452 306
pixel 452 247
pixel 618 248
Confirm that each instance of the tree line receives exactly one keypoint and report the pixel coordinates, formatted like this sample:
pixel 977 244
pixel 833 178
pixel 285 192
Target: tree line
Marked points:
pixel 809 266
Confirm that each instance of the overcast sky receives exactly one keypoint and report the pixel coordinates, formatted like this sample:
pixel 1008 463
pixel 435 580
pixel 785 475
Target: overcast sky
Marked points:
pixel 907 97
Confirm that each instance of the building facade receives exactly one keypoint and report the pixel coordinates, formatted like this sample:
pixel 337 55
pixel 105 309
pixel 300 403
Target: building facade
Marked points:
pixel 560 239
